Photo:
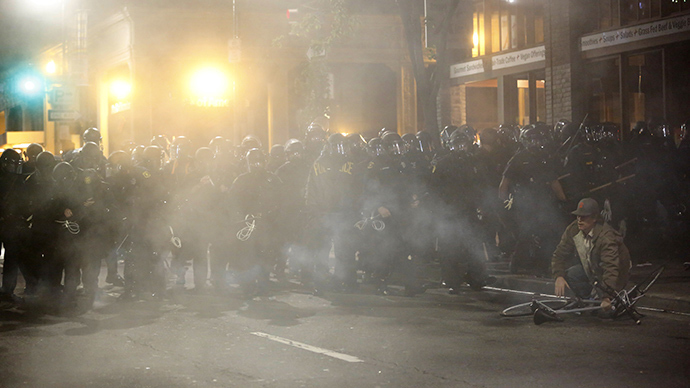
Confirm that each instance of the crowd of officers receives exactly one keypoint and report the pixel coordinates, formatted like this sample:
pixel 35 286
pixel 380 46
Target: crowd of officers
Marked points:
pixel 327 207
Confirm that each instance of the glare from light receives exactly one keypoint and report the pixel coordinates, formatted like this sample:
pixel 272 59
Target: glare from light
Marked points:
pixel 29 85
pixel 209 83
pixel 51 67
pixel 475 39
pixel 120 89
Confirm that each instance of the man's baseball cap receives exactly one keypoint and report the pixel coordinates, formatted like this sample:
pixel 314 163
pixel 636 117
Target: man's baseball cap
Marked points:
pixel 587 207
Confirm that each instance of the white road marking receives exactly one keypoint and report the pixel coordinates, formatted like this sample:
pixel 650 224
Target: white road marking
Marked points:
pixel 310 348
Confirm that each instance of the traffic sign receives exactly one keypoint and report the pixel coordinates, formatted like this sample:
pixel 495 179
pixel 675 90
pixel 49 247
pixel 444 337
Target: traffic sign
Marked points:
pixel 64 96
pixel 63 115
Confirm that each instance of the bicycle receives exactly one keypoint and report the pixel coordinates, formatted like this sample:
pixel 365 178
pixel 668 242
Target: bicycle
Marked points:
pixel 622 303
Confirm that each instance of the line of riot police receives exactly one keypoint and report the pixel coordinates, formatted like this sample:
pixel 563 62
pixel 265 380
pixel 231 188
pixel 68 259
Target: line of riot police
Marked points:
pixel 327 207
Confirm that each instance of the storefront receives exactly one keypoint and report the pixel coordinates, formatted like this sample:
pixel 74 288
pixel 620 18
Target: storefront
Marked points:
pixel 501 89
pixel 503 82
pixel 640 73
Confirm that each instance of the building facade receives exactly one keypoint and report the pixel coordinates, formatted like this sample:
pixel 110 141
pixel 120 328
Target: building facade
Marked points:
pixel 614 61
pixel 136 77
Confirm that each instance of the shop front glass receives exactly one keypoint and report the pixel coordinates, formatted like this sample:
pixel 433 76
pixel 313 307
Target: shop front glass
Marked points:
pixel 531 101
pixel 604 89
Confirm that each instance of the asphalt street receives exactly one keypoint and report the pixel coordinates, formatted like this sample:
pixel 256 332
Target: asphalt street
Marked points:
pixel 291 338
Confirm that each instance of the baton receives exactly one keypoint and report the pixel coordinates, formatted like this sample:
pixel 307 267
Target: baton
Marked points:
pixel 633 160
pixel 605 185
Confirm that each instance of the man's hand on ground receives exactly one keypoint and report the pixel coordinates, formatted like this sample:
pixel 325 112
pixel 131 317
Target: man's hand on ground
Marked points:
pixel 561 284
pixel 606 304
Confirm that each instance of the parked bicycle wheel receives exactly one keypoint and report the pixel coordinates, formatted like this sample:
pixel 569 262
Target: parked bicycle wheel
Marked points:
pixel 525 309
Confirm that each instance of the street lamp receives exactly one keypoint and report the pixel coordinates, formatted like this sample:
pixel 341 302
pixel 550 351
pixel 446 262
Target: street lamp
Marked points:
pixel 31 85
pixel 51 68
pixel 209 82
pixel 120 89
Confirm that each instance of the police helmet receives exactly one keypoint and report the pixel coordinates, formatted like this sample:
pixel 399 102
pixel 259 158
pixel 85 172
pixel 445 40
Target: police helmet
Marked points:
pixel 138 154
pixel 181 147
pixel 32 151
pixel 218 145
pixel 11 162
pixel 277 152
pixel 64 175
pixel 609 133
pixel 375 147
pixel 89 155
pixel 152 158
pixel 316 129
pixel 294 150
pixel 411 142
pixel 161 141
pixel 119 160
pixel 663 131
pixel 533 137
pixel 337 144
pixel 460 142
pixel 393 143
pixel 45 162
pixel 315 137
pixel 203 159
pixel 92 135
pixel 204 154
pixel 445 134
pixel 426 142
pixel 256 161
pixel 357 144
pixel 509 133
pixel 591 134
pixel 558 128
pixel 384 131
pixel 250 141
pixel 469 131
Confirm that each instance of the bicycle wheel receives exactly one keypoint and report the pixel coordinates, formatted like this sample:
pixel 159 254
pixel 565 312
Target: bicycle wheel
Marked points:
pixel 527 308
pixel 647 283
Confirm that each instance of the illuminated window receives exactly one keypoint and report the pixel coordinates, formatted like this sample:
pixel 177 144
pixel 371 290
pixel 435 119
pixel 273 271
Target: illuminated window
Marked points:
pixel 478 45
pixel 509 25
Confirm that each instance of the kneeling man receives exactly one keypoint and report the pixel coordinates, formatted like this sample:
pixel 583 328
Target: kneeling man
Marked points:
pixel 590 250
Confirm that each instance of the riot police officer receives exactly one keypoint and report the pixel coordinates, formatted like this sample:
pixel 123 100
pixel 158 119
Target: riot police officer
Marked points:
pixel 314 141
pixel 459 180
pixel 332 194
pixel 532 191
pixel 254 201
pixel 14 228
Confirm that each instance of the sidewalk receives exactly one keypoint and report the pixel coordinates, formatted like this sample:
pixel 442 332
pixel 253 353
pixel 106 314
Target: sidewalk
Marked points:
pixel 670 293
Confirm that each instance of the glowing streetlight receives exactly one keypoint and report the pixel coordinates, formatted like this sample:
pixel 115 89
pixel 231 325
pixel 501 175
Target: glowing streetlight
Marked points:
pixel 30 85
pixel 120 89
pixel 51 68
pixel 209 83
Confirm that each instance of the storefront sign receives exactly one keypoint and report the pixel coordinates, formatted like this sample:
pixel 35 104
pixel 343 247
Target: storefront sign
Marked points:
pixel 467 68
pixel 518 58
pixel 63 115
pixel 210 102
pixel 120 107
pixel 635 33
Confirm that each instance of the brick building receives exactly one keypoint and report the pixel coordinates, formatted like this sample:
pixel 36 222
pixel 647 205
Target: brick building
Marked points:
pixel 617 61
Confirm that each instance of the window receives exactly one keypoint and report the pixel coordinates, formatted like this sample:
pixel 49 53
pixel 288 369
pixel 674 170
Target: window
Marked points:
pixel 635 11
pixel 500 25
